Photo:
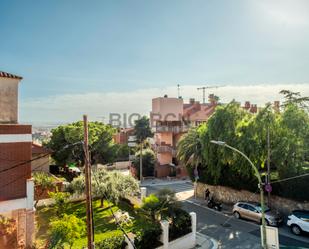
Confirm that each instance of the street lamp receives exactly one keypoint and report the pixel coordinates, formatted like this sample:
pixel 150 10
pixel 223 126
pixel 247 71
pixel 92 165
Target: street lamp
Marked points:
pixel 257 174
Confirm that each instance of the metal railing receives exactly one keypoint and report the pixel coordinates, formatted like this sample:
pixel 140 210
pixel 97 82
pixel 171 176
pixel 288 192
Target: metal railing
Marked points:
pixel 174 129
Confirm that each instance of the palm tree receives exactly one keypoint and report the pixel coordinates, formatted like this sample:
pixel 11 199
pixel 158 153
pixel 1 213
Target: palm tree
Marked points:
pixel 189 150
pixel 142 132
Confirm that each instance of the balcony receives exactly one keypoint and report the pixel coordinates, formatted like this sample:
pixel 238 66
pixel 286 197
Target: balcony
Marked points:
pixel 165 149
pixel 173 129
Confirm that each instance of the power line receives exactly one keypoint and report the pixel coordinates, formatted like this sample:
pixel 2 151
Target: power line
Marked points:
pixel 24 162
pixel 290 178
pixel 19 178
pixel 36 158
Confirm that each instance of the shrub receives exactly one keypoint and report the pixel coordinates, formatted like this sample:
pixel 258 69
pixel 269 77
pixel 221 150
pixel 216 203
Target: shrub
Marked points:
pixel 42 182
pixel 149 160
pixel 65 230
pixel 149 237
pixel 152 207
pixel 113 242
pixel 61 201
pixel 180 224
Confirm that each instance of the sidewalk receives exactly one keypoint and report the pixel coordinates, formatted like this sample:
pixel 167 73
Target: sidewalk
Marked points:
pixel 205 242
pixel 162 182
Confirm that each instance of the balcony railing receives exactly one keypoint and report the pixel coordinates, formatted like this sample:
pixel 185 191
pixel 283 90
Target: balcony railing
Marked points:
pixel 165 149
pixel 174 129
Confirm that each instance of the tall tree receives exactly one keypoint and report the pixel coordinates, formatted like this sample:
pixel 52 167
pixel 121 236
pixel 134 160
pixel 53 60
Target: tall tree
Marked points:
pixel 66 142
pixel 294 98
pixel 142 132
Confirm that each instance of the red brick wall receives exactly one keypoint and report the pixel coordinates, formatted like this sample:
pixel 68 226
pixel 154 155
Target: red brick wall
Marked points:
pixel 13 181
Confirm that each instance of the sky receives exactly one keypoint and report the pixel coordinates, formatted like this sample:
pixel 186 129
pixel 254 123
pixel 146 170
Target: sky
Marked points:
pixel 100 56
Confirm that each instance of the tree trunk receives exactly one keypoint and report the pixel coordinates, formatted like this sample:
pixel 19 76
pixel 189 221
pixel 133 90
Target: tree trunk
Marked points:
pixel 102 202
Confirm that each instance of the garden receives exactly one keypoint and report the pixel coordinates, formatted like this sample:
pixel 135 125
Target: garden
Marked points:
pixel 63 224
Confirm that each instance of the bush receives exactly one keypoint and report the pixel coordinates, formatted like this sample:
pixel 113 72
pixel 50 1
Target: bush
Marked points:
pixel 180 224
pixel 65 230
pixel 148 237
pixel 61 201
pixel 113 242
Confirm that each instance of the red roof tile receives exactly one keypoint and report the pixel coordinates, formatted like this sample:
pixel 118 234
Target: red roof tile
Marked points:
pixel 8 75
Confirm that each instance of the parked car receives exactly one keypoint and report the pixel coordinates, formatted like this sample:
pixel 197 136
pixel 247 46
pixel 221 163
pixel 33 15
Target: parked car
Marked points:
pixel 252 211
pixel 298 221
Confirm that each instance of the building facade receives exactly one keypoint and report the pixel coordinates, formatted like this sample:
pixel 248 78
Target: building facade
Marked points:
pixel 170 119
pixel 16 185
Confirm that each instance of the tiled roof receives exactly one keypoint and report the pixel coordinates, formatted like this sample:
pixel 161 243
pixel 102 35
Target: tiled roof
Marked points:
pixel 8 75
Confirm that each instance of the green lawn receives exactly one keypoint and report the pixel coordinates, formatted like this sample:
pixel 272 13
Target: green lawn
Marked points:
pixel 103 221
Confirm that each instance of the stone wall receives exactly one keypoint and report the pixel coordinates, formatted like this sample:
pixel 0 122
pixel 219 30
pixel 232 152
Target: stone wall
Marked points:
pixel 231 196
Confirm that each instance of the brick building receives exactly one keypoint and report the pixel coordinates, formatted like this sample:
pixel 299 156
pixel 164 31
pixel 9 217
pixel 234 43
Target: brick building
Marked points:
pixel 16 186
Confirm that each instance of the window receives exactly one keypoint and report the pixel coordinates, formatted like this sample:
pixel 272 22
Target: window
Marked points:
pixel 252 209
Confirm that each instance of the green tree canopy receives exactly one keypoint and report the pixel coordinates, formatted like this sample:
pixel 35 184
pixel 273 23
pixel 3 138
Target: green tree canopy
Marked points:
pixel 66 143
pixel 289 143
pixel 142 129
pixel 111 185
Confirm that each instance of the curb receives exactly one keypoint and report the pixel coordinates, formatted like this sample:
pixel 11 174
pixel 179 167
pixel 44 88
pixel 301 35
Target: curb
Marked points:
pixel 214 242
pixel 163 183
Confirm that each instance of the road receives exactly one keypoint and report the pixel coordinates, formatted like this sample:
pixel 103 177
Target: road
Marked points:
pixel 228 231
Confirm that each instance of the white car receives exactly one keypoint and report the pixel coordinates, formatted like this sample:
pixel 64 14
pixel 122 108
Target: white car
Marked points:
pixel 299 221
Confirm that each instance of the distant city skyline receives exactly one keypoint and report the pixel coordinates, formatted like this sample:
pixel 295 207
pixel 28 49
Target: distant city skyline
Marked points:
pixel 98 105
pixel 76 52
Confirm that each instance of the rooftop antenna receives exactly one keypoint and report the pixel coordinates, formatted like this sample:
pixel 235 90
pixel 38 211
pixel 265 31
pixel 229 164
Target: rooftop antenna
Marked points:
pixel 178 90
pixel 204 88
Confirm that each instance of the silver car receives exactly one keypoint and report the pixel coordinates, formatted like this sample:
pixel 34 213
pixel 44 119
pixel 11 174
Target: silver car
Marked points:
pixel 253 211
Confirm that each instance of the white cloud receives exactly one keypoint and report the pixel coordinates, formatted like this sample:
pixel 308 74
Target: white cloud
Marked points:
pixel 67 108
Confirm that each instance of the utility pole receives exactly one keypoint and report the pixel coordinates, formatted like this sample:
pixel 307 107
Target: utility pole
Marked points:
pixel 141 162
pixel 204 91
pixel 268 163
pixel 88 187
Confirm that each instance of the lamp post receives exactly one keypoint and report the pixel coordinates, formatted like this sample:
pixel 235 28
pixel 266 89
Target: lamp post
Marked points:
pixel 258 176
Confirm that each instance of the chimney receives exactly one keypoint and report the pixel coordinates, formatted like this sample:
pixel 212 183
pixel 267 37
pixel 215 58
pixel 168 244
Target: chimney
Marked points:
pixel 9 98
pixel 197 105
pixel 253 109
pixel 247 105
pixel 277 106
pixel 192 100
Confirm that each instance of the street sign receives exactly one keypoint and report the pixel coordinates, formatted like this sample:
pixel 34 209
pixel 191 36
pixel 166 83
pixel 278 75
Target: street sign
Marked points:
pixel 132 144
pixel 268 188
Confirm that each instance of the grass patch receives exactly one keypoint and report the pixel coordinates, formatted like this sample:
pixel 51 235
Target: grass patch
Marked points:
pixel 104 223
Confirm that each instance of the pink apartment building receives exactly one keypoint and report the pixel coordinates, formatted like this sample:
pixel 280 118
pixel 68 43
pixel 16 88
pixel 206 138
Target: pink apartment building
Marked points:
pixel 170 119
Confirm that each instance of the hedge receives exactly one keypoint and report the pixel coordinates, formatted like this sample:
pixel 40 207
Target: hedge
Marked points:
pixel 149 237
